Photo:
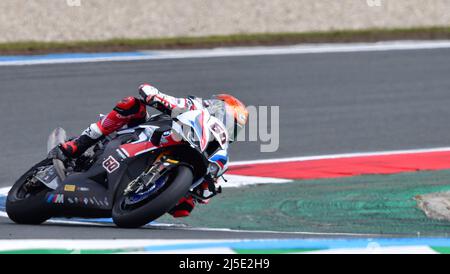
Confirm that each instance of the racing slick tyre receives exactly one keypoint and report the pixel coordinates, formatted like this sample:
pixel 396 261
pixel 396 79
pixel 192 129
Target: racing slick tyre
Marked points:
pixel 26 204
pixel 127 215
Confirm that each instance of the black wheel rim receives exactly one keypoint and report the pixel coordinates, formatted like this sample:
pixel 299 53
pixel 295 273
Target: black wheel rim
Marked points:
pixel 128 204
pixel 28 189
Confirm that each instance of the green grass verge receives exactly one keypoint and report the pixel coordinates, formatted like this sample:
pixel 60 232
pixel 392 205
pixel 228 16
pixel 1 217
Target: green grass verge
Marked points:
pixel 34 47
pixel 441 250
pixel 366 204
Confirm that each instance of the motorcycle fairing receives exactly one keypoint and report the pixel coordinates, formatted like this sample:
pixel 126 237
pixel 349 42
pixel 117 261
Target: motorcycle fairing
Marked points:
pixel 220 159
pixel 197 120
pixel 90 194
pixel 219 132
pixel 138 148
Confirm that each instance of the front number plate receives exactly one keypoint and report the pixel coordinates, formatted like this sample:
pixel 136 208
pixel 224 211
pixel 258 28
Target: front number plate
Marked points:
pixel 111 164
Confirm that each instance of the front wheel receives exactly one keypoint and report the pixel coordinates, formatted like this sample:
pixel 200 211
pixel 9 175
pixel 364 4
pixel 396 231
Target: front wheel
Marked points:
pixel 25 203
pixel 127 214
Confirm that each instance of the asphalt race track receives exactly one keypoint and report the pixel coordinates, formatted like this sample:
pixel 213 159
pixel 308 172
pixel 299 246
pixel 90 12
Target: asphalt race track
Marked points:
pixel 329 103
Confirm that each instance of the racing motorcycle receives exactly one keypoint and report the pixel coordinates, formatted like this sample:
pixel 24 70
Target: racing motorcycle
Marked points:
pixel 134 176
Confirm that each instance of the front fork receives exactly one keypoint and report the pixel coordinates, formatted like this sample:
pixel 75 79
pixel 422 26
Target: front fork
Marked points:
pixel 148 178
pixel 160 167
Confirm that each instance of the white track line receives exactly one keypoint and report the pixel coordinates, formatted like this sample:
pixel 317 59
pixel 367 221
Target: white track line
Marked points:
pixel 339 156
pixel 4 190
pixel 234 181
pixel 173 227
pixel 280 232
pixel 93 244
pixel 302 49
pixel 244 51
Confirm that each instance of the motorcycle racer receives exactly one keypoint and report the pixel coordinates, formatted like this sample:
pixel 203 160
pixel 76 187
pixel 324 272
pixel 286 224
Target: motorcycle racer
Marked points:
pixel 131 111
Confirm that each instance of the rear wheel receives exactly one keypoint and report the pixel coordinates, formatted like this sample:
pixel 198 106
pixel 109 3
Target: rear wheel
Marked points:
pixel 132 212
pixel 25 203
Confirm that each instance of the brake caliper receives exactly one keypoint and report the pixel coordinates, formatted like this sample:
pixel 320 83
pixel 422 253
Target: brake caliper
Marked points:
pixel 148 178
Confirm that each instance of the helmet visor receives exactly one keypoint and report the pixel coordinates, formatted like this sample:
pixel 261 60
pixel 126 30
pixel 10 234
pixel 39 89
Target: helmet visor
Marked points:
pixel 226 114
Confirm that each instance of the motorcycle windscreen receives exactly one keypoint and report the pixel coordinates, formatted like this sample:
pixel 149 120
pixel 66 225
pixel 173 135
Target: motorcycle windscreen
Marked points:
pixel 194 128
pixel 58 136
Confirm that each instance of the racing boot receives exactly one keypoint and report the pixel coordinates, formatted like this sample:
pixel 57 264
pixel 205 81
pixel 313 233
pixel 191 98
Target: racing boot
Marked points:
pixel 76 147
pixel 183 208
